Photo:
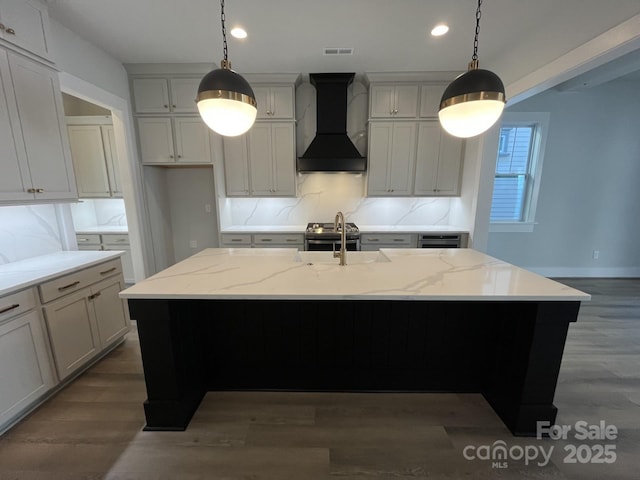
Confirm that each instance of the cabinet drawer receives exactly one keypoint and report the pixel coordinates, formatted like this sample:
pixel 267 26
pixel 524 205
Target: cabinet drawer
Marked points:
pixel 88 239
pixel 400 239
pixel 231 239
pixel 75 281
pixel 278 239
pixel 16 303
pixel 115 239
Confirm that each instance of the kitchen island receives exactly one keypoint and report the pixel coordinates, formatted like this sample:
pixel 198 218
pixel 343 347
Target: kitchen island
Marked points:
pixel 423 320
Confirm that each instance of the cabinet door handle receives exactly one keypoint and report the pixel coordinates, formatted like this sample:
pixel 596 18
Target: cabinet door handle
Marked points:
pixel 166 106
pixel 236 239
pixel 95 295
pixel 11 31
pixel 398 240
pixel 170 156
pixel 266 239
pixel 9 308
pixel 31 190
pixel 2 27
pixel 173 106
pixel 62 289
pixel 83 239
pixel 39 190
pixel 373 239
pixel 112 269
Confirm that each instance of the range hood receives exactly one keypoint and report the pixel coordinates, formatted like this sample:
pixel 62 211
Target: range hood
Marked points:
pixel 331 150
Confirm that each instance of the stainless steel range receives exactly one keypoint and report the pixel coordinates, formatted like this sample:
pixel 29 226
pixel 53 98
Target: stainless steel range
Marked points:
pixel 323 236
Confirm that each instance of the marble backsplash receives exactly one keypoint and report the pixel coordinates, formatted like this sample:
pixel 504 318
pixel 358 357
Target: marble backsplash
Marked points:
pixel 94 212
pixel 28 231
pixel 321 195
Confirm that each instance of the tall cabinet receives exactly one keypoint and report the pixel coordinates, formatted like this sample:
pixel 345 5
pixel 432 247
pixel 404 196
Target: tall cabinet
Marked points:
pixel 409 152
pixel 35 159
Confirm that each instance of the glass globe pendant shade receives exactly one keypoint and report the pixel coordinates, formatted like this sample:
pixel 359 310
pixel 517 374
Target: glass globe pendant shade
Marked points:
pixel 226 102
pixel 472 103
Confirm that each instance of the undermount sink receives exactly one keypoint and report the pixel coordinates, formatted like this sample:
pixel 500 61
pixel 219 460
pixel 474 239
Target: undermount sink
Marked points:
pixel 353 258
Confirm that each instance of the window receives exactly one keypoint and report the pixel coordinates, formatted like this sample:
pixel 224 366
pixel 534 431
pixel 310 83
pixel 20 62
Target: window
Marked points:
pixel 518 169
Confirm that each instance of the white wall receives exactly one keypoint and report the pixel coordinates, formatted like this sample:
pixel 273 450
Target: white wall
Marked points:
pixel 589 192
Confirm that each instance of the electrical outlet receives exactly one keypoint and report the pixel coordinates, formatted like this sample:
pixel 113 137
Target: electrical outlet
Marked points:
pixel 193 244
pixel 596 254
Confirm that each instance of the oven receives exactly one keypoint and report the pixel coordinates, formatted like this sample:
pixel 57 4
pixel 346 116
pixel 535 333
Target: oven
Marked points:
pixel 323 237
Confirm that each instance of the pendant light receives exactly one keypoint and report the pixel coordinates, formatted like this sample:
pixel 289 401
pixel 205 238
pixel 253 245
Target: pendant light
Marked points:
pixel 474 101
pixel 226 101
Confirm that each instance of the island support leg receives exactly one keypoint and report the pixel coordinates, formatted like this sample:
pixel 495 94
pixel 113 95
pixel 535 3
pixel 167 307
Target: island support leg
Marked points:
pixel 528 354
pixel 171 347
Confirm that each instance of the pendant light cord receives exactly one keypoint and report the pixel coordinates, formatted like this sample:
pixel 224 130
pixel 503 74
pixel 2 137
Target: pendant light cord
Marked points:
pixel 474 57
pixel 225 49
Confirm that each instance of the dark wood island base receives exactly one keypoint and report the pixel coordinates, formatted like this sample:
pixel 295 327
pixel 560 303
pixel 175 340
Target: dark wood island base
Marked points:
pixel 510 351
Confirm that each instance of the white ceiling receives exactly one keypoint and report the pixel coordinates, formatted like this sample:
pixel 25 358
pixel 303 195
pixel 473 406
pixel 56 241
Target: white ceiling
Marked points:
pixel 516 37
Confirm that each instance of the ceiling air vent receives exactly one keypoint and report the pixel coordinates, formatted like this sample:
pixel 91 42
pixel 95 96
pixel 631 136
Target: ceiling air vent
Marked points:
pixel 338 51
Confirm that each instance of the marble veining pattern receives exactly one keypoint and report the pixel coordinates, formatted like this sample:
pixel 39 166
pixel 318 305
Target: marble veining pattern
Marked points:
pixel 99 212
pixel 28 231
pixel 396 274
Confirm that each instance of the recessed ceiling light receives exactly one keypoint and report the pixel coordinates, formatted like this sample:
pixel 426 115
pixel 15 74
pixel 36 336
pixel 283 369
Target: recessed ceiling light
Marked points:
pixel 439 30
pixel 239 32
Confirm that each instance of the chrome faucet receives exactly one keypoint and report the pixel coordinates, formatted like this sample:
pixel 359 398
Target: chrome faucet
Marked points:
pixel 339 223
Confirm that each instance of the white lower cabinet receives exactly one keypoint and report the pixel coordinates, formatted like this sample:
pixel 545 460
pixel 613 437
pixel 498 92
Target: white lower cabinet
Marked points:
pixel 83 323
pixel 25 370
pixel 376 241
pixel 73 331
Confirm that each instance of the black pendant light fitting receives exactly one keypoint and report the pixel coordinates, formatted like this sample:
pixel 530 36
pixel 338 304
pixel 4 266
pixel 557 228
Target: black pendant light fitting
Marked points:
pixel 225 100
pixel 474 101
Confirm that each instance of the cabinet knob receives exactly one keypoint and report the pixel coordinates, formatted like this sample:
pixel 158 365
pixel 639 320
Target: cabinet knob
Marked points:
pixel 170 156
pixel 39 190
pixel 179 156
pixel 11 31
pixel 166 106
pixel 2 27
pixel 173 106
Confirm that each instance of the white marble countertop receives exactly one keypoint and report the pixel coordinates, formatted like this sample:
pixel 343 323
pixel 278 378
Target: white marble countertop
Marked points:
pixel 265 229
pixel 16 276
pixel 103 229
pixel 391 274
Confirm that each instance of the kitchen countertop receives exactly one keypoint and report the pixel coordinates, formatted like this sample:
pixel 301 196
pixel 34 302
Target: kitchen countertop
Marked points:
pixel 391 274
pixel 103 229
pixel 32 271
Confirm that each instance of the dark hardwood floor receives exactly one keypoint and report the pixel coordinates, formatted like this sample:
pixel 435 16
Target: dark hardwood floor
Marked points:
pixel 93 428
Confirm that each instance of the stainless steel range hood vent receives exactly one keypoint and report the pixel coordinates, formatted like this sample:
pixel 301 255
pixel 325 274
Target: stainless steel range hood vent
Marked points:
pixel 331 150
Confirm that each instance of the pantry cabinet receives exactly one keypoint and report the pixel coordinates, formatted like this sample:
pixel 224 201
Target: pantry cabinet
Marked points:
pixel 262 161
pixel 36 160
pixel 438 161
pixel 392 154
pixel 179 140
pixel 25 24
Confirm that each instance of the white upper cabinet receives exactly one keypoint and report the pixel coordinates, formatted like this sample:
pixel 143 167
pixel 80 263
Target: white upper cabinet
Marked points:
pixel 25 23
pixel 151 95
pixel 430 96
pixel 37 165
pixel 261 162
pixel 272 159
pixel 393 101
pixel 95 160
pixel 439 161
pixel 183 95
pixel 392 156
pixel 192 144
pixel 275 101
pixel 162 95
pixel 89 161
